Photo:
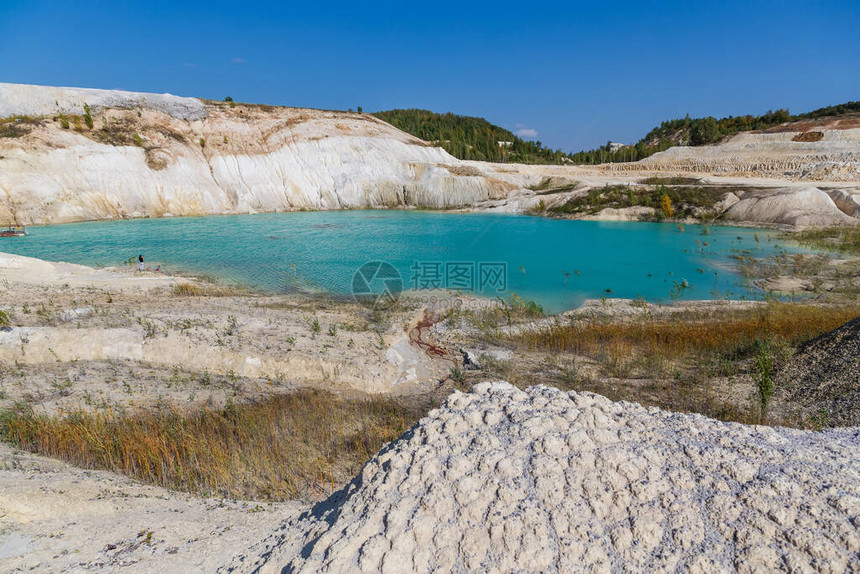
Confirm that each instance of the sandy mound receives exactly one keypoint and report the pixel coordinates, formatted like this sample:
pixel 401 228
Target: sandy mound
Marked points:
pixel 825 374
pixel 501 479
pixel 802 207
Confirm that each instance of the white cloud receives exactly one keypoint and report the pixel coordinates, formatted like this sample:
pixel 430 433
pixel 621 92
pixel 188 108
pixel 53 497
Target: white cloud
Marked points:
pixel 238 60
pixel 525 132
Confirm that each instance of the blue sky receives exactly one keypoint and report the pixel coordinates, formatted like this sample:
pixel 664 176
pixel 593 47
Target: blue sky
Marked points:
pixel 574 74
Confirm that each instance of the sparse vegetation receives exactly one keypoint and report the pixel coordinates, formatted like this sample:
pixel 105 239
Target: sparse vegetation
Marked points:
pixel 17 126
pixel 681 201
pixel 671 362
pixel 846 239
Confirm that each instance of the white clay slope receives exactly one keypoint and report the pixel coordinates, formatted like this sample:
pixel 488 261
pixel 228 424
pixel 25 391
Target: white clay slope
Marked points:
pixel 150 155
pixel 505 480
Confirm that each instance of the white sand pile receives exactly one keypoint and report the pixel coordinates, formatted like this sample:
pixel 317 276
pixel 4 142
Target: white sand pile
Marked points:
pixel 506 480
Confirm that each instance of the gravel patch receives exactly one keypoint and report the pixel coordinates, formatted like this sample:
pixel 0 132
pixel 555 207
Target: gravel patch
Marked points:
pixel 824 376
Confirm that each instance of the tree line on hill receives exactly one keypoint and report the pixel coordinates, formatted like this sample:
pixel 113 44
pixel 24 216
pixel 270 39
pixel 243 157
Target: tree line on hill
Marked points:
pixel 467 137
pixel 472 138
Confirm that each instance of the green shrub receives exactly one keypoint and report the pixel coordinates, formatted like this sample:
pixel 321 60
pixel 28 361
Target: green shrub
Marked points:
pixel 764 373
pixel 88 118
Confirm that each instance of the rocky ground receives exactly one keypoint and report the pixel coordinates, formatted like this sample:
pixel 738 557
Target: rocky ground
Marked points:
pixel 117 337
pixel 501 479
pixel 824 375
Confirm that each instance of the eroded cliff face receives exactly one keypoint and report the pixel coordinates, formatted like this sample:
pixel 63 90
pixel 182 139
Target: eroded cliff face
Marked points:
pixel 159 155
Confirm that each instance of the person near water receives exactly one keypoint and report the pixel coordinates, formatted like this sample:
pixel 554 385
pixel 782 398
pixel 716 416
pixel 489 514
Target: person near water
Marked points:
pixel 140 258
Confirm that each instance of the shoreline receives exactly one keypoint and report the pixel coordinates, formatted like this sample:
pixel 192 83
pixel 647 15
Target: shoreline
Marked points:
pixel 474 209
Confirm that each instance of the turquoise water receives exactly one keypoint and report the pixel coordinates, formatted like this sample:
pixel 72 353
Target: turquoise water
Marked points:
pixel 558 263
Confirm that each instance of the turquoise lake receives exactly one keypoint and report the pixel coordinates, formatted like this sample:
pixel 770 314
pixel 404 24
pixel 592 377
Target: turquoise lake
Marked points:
pixel 558 263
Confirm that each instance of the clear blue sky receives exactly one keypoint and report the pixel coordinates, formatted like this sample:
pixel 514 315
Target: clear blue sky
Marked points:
pixel 576 73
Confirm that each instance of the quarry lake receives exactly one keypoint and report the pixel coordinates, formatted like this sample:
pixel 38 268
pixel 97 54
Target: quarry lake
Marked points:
pixel 558 263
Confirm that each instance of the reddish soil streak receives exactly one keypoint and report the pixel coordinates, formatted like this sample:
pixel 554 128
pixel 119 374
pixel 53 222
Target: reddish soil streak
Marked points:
pixel 416 337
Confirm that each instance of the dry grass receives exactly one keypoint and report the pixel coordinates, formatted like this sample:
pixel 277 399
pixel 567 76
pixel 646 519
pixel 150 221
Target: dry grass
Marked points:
pixel 694 362
pixel 188 290
pixel 302 445
pixel 206 289
pixel 731 333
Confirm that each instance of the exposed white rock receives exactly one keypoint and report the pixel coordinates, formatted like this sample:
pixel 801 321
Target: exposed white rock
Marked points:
pixel 25 99
pixel 800 207
pixel 151 156
pixel 539 480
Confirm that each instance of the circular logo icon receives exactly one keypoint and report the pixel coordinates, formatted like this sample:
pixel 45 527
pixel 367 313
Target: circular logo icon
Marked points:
pixel 377 285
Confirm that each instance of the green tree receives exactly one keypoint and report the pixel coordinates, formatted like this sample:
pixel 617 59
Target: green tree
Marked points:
pixel 704 131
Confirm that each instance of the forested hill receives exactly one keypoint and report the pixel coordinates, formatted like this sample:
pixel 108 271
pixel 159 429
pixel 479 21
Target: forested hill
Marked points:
pixel 468 137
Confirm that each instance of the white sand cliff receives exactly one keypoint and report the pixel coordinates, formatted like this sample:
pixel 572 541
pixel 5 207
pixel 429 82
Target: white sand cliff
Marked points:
pixel 163 155
pixel 155 155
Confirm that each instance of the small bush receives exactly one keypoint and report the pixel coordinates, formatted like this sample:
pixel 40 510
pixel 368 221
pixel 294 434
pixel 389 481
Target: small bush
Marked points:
pixel 88 118
pixel 764 373
pixel 666 206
